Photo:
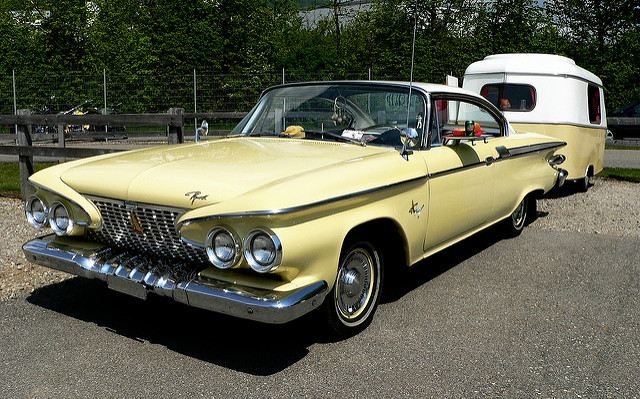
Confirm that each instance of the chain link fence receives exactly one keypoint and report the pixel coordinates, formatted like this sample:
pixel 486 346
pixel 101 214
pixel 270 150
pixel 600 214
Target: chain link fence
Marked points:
pixel 107 93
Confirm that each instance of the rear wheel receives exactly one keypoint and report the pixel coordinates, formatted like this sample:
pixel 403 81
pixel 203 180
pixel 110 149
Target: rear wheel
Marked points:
pixel 587 182
pixel 514 224
pixel 350 306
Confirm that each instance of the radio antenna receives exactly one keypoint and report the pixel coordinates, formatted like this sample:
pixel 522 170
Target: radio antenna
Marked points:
pixel 413 53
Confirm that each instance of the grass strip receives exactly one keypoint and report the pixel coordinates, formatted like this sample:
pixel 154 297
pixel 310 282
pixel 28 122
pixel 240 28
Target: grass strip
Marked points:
pixel 608 147
pixel 10 178
pixel 632 175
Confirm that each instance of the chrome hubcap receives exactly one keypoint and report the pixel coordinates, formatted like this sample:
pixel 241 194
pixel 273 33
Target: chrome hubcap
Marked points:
pixel 354 283
pixel 518 214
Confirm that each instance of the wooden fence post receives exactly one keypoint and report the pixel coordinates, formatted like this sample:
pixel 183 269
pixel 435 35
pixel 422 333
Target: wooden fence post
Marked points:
pixel 175 134
pixel 25 162
pixel 61 142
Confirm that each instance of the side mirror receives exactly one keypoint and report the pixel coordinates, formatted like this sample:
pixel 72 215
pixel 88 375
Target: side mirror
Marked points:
pixel 409 134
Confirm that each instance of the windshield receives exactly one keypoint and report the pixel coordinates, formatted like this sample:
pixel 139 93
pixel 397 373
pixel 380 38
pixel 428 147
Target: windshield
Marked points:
pixel 361 113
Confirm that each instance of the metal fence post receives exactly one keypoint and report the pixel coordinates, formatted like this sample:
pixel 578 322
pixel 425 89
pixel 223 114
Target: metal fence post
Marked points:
pixel 195 105
pixel 25 162
pixel 104 91
pixel 15 97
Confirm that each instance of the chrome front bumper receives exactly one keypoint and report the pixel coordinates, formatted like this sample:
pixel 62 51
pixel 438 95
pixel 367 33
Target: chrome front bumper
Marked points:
pixel 138 276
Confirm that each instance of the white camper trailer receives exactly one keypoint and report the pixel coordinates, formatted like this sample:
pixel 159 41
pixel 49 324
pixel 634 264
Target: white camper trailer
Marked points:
pixel 550 95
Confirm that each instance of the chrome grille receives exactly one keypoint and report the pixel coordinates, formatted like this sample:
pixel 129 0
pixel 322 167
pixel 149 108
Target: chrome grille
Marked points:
pixel 158 237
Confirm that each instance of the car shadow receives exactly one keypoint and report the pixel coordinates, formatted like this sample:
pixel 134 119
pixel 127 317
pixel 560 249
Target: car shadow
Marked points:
pixel 237 344
pixel 400 281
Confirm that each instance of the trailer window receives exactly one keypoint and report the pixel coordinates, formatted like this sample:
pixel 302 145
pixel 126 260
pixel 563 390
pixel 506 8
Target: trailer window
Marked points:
pixel 510 97
pixel 593 95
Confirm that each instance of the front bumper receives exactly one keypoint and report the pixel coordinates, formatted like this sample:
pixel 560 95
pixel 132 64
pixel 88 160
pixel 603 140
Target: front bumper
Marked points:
pixel 138 276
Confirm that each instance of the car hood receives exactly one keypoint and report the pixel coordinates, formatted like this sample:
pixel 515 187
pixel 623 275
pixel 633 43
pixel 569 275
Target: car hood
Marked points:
pixel 255 172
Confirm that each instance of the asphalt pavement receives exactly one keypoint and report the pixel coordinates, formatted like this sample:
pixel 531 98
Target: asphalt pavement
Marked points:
pixel 550 314
pixel 627 159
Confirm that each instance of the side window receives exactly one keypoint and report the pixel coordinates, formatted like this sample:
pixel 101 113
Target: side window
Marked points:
pixel 438 117
pixel 593 97
pixel 449 118
pixel 510 97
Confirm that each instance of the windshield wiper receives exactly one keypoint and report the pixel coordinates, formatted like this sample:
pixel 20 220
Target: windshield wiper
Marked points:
pixel 265 134
pixel 337 136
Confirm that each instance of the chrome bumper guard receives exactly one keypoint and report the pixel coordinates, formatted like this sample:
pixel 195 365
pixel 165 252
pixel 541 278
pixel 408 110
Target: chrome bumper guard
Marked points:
pixel 137 276
pixel 562 177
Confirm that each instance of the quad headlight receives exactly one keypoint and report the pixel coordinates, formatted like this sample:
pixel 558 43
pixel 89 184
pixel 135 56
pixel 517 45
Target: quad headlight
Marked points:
pixel 263 251
pixel 60 220
pixel 36 212
pixel 222 248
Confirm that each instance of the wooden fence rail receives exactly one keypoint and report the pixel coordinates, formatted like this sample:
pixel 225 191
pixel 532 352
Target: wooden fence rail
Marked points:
pixel 173 121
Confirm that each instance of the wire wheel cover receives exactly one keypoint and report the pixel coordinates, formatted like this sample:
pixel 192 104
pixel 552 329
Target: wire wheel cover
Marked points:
pixel 355 283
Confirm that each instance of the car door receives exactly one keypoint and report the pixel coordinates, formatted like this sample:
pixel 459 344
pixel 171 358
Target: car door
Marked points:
pixel 461 169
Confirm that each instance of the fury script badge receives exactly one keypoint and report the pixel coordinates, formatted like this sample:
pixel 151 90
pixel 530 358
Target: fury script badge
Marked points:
pixel 196 195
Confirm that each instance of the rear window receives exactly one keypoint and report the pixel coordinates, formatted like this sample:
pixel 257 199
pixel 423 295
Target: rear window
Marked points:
pixel 593 95
pixel 510 97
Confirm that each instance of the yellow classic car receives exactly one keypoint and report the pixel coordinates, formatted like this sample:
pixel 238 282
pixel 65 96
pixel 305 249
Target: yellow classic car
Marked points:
pixel 321 190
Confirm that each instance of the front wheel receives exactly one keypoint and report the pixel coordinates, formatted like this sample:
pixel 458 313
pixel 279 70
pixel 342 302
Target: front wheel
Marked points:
pixel 350 306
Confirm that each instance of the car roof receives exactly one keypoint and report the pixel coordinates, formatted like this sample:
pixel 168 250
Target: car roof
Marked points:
pixel 531 63
pixel 428 87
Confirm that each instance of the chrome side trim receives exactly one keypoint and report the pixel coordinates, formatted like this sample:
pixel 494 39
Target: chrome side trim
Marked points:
pixel 299 208
pixel 528 149
pixel 461 168
pixel 138 276
pixel 503 154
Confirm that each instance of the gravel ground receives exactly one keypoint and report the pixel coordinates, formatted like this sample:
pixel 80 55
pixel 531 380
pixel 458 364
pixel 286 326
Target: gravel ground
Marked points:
pixel 17 276
pixel 609 208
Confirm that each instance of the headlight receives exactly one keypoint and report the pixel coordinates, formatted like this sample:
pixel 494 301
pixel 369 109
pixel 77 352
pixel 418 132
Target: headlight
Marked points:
pixel 222 248
pixel 59 219
pixel 36 212
pixel 263 251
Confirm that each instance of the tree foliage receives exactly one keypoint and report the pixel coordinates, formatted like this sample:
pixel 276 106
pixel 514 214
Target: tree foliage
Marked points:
pixel 139 38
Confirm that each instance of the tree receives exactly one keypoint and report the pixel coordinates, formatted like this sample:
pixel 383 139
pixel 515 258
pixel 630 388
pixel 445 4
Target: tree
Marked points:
pixel 602 36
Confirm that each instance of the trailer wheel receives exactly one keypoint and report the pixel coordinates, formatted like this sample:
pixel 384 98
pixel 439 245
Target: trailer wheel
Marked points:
pixel 587 181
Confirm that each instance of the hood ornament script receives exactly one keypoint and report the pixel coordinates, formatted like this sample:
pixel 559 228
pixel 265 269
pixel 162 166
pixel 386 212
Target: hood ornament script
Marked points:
pixel 196 195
